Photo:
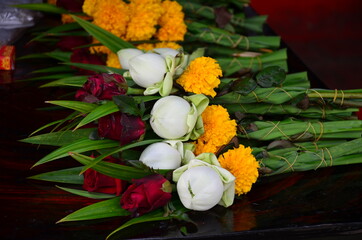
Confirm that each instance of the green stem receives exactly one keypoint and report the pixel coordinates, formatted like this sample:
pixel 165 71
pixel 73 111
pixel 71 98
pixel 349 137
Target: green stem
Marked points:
pixel 135 91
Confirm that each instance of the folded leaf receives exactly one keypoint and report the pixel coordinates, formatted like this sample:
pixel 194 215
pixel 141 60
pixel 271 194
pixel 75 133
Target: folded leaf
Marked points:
pixel 73 81
pixel 87 194
pixel 82 107
pixel 98 112
pixel 60 138
pixel 96 68
pixel 104 209
pixel 69 175
pixel 80 146
pixel 111 169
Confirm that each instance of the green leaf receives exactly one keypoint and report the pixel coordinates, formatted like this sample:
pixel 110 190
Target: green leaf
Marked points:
pixel 82 107
pixel 109 40
pixel 98 112
pixel 125 147
pixel 73 81
pixel 80 146
pixel 59 55
pixel 96 68
pixel 111 169
pixel 54 69
pixel 69 175
pixel 244 86
pixel 87 194
pixel 31 56
pixel 44 7
pixel 57 29
pixel 103 209
pixel 60 138
pixel 157 215
pixel 127 104
pixel 271 76
pixel 47 77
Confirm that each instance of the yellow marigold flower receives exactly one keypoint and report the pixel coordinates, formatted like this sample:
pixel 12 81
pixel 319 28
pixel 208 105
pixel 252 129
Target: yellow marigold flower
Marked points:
pixel 98 48
pixel 243 165
pixel 173 27
pixel 112 15
pixel 144 15
pixel 219 129
pixel 66 18
pixel 172 45
pixel 90 6
pixel 201 76
pixel 113 61
pixel 150 46
pixel 146 46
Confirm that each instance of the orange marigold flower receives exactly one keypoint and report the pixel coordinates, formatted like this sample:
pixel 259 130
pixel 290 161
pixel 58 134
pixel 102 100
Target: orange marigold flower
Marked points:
pixel 201 76
pixel 98 48
pixel 219 129
pixel 173 27
pixel 112 15
pixel 144 15
pixel 150 46
pixel 113 61
pixel 243 165
pixel 146 46
pixel 66 18
pixel 90 6
pixel 172 45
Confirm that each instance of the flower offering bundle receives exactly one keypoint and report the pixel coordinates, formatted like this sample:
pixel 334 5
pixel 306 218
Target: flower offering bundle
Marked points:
pixel 176 108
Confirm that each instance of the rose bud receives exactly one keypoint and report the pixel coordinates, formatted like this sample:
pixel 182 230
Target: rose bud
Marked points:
pixel 146 194
pixel 161 156
pixel 124 55
pixel 147 69
pixel 121 127
pixel 200 188
pixel 169 117
pixel 102 87
pixel 82 55
pixel 97 182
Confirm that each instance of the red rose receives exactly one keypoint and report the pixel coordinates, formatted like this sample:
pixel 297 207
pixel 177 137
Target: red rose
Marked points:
pixel 83 55
pixel 146 194
pixel 67 43
pixel 71 5
pixel 359 114
pixel 97 182
pixel 102 87
pixel 121 127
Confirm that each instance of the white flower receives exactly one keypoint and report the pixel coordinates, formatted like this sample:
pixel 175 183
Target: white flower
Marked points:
pixel 200 188
pixel 161 156
pixel 124 55
pixel 147 69
pixel 169 117
pixel 209 160
pixel 166 52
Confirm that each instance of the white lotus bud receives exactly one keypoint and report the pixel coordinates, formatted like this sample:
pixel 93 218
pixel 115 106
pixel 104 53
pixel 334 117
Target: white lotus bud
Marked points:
pixel 166 52
pixel 147 69
pixel 124 55
pixel 200 188
pixel 169 117
pixel 161 155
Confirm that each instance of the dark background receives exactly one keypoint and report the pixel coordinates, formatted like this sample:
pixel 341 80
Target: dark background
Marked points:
pixel 326 35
